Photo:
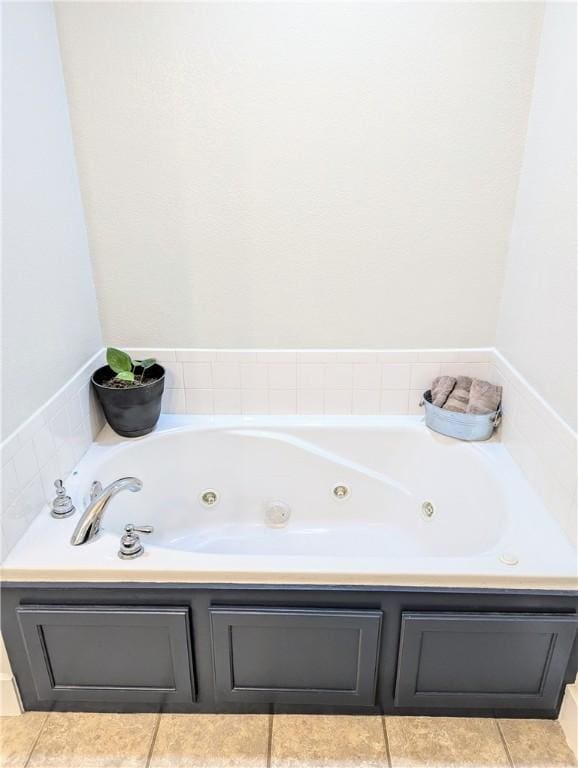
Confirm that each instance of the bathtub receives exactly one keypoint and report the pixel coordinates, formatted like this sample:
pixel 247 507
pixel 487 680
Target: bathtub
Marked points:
pixel 328 500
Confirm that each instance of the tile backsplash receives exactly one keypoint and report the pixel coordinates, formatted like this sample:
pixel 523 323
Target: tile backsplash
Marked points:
pixel 365 382
pixel 307 381
pixel 541 443
pixel 47 446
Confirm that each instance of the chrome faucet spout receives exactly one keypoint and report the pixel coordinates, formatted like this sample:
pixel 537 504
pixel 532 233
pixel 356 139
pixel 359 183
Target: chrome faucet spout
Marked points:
pixel 89 524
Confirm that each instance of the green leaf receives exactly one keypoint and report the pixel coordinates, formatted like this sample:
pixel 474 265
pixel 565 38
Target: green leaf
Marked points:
pixel 146 363
pixel 118 360
pixel 125 376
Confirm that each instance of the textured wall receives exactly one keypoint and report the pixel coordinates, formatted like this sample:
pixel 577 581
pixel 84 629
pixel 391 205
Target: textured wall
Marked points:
pixel 49 321
pixel 537 323
pixel 297 175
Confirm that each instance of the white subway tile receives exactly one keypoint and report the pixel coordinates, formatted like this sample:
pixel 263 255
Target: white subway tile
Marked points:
pixel 282 401
pixel 199 401
pixel 282 375
pixel 197 375
pixel 174 375
pixel 44 446
pixel 227 401
pixel 226 375
pixel 394 401
pixel 255 401
pixel 25 464
pixel 310 401
pixel 395 376
pixel 55 405
pixel 338 376
pixel 310 375
pixel 80 442
pixel 27 431
pixel 174 401
pixel 254 376
pixel 9 448
pixel 10 484
pixel 48 474
pixel 59 427
pixel 422 375
pixel 66 459
pixel 74 411
pixel 413 404
pixel 367 376
pixel 337 401
pixel 366 401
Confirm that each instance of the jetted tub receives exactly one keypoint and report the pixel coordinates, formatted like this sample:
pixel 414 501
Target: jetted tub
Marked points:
pixel 333 500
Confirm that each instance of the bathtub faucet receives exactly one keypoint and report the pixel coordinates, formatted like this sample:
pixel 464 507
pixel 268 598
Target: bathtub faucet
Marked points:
pixel 89 523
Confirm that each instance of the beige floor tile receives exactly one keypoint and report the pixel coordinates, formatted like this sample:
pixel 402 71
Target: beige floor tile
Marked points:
pixel 320 741
pixel 537 744
pixel 211 741
pixel 87 740
pixel 445 742
pixel 17 737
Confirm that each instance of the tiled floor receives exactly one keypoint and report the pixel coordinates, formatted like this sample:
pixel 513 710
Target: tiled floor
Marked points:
pixel 79 740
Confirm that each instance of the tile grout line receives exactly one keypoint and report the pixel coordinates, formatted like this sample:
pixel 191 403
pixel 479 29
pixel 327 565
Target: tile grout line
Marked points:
pixel 270 740
pixel 386 739
pixel 504 743
pixel 36 740
pixel 153 740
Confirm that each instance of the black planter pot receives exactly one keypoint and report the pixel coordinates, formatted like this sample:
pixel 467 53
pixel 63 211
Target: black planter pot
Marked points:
pixel 134 411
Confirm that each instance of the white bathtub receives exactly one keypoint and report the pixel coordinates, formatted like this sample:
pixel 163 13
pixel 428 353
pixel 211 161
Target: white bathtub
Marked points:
pixel 488 529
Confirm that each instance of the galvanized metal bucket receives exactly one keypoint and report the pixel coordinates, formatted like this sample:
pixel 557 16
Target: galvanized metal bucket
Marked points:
pixel 462 426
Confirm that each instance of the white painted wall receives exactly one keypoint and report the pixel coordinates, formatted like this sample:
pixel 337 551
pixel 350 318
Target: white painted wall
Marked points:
pixel 49 318
pixel 537 321
pixel 299 174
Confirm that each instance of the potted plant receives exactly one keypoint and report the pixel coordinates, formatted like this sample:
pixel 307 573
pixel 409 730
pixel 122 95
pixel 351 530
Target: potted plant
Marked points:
pixel 130 392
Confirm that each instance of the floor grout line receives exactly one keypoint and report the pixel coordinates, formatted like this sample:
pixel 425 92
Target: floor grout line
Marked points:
pixel 33 747
pixel 504 742
pixel 386 739
pixel 270 740
pixel 153 740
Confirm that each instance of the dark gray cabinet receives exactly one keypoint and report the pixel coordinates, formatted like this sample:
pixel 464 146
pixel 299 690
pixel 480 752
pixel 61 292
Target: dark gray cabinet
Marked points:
pixel 295 656
pixel 108 653
pixel 483 660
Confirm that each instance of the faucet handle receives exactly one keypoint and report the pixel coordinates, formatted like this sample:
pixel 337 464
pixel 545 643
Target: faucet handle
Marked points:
pixel 62 505
pixel 130 528
pixel 130 543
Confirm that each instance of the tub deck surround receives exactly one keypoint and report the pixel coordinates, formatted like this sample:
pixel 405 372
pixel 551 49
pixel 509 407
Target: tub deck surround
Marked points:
pixel 485 514
pixel 307 382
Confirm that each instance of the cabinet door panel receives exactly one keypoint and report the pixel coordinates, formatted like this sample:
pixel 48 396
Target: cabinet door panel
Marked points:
pixel 483 660
pixel 108 653
pixel 296 655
